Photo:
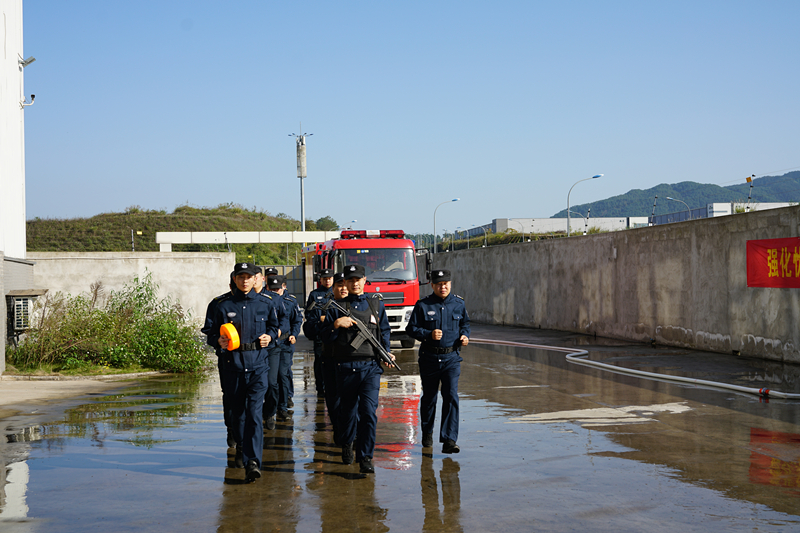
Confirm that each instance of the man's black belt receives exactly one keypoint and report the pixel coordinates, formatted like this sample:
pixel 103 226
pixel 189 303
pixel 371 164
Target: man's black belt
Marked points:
pixel 437 351
pixel 247 346
pixel 283 337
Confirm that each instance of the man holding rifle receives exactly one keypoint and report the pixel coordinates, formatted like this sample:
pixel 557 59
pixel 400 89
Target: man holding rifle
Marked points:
pixel 357 367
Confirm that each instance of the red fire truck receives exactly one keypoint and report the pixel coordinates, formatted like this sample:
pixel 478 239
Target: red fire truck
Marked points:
pixel 394 268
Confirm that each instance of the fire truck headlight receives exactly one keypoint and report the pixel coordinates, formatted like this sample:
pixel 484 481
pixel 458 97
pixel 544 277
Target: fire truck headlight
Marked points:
pixel 407 316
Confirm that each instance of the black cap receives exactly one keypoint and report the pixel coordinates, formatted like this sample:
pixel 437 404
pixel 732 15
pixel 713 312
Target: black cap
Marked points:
pixel 248 268
pixel 354 271
pixel 339 276
pixel 282 278
pixel 274 282
pixel 271 271
pixel 437 276
pixel 325 273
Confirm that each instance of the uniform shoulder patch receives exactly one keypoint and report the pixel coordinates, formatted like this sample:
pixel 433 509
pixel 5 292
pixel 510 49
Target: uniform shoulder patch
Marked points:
pixel 459 297
pixel 292 296
pixel 221 296
pixel 266 296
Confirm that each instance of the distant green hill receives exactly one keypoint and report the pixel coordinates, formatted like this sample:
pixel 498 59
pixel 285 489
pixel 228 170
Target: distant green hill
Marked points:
pixel 639 203
pixel 111 232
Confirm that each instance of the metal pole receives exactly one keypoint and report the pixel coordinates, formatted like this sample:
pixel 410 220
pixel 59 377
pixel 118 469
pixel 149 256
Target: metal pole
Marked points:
pixel 684 203
pixel 653 216
pixel 570 192
pixel 434 220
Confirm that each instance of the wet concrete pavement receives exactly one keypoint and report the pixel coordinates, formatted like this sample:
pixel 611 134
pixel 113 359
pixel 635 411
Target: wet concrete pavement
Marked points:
pixel 546 446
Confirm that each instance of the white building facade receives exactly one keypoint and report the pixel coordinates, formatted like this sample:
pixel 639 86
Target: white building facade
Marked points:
pixel 16 273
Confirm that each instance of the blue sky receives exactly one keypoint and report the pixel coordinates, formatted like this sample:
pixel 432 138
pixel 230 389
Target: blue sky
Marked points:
pixel 503 104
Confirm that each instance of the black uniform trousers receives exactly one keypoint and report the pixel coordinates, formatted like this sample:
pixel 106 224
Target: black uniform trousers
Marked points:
pixel 331 391
pixel 247 402
pixel 436 371
pixel 359 383
pixel 224 381
pixel 272 397
pixel 319 376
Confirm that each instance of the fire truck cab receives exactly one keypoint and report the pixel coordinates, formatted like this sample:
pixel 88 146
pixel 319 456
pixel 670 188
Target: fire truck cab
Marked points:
pixel 395 270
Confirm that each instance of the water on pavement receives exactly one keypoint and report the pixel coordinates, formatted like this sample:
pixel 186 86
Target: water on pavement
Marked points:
pixel 546 446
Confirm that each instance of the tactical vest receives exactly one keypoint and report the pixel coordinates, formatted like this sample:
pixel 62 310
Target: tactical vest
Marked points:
pixel 342 350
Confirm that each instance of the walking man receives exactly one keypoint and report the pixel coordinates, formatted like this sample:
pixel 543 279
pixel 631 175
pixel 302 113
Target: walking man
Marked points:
pixel 256 322
pixel 358 372
pixel 441 324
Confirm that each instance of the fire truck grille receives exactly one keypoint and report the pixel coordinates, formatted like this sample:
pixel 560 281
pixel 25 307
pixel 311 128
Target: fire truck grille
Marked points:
pixel 392 298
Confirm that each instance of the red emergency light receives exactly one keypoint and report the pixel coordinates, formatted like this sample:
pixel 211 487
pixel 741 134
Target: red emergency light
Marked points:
pixel 372 234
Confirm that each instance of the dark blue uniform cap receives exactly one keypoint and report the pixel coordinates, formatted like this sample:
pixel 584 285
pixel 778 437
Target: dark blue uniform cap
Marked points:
pixel 271 271
pixel 248 268
pixel 274 282
pixel 354 271
pixel 339 276
pixel 438 276
pixel 325 273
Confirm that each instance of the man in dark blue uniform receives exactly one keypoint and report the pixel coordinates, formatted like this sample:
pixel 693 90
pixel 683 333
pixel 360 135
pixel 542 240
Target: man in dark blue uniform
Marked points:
pixel 222 366
pixel 358 371
pixel 256 322
pixel 272 398
pixel 287 342
pixel 315 318
pixel 318 297
pixel 441 324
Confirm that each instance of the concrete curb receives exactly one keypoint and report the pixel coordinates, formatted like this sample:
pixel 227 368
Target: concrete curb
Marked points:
pixel 100 377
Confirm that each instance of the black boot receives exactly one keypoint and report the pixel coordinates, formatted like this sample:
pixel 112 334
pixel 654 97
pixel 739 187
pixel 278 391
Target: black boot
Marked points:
pixel 348 455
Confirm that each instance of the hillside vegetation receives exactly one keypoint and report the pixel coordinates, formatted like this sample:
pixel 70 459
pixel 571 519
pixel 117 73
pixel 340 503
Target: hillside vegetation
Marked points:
pixel 111 232
pixel 639 203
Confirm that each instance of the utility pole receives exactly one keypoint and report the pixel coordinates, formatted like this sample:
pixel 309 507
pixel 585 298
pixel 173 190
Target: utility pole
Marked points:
pixel 300 138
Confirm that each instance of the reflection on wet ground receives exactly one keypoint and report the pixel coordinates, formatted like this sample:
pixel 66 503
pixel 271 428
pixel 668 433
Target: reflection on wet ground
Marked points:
pixel 546 445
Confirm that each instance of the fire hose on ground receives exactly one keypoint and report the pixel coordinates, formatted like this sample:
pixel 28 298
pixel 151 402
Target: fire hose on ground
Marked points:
pixel 581 357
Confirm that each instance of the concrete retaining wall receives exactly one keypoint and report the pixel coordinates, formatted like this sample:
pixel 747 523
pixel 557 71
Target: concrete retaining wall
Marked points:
pixel 192 278
pixel 681 284
pixel 3 314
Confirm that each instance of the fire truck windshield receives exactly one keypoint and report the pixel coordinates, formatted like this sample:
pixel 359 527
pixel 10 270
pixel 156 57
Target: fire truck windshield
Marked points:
pixel 381 264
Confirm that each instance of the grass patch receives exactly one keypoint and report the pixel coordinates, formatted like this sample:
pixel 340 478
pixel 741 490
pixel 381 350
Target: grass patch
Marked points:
pixel 131 330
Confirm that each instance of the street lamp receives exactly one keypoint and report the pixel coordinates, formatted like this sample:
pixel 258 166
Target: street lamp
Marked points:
pixel 570 192
pixel 684 203
pixel 465 233
pixel 434 219
pixel 520 227
pixel 485 239
pixel 585 222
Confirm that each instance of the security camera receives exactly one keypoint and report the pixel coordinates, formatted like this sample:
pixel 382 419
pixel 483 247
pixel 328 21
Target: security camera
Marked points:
pixel 33 97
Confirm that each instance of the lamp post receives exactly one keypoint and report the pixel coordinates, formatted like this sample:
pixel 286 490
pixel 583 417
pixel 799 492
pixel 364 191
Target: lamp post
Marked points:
pixel 465 233
pixel 520 227
pixel 684 203
pixel 434 219
pixel 133 245
pixel 585 223
pixel 570 192
pixel 485 239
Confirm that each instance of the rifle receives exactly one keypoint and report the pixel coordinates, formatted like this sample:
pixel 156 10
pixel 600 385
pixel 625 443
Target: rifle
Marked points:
pixel 364 333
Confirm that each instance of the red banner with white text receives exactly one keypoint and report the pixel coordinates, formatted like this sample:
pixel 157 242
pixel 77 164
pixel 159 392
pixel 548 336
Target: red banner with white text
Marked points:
pixel 774 263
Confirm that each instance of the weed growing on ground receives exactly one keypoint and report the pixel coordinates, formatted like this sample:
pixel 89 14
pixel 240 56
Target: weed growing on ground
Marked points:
pixel 131 329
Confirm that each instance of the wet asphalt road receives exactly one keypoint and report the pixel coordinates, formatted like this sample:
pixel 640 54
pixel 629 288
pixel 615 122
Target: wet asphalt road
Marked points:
pixel 546 446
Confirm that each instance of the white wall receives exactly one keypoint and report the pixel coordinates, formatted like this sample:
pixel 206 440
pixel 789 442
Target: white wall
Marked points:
pixel 191 278
pixel 12 132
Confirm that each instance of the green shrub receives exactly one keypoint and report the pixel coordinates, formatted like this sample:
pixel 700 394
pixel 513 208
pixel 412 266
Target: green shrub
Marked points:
pixel 133 329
